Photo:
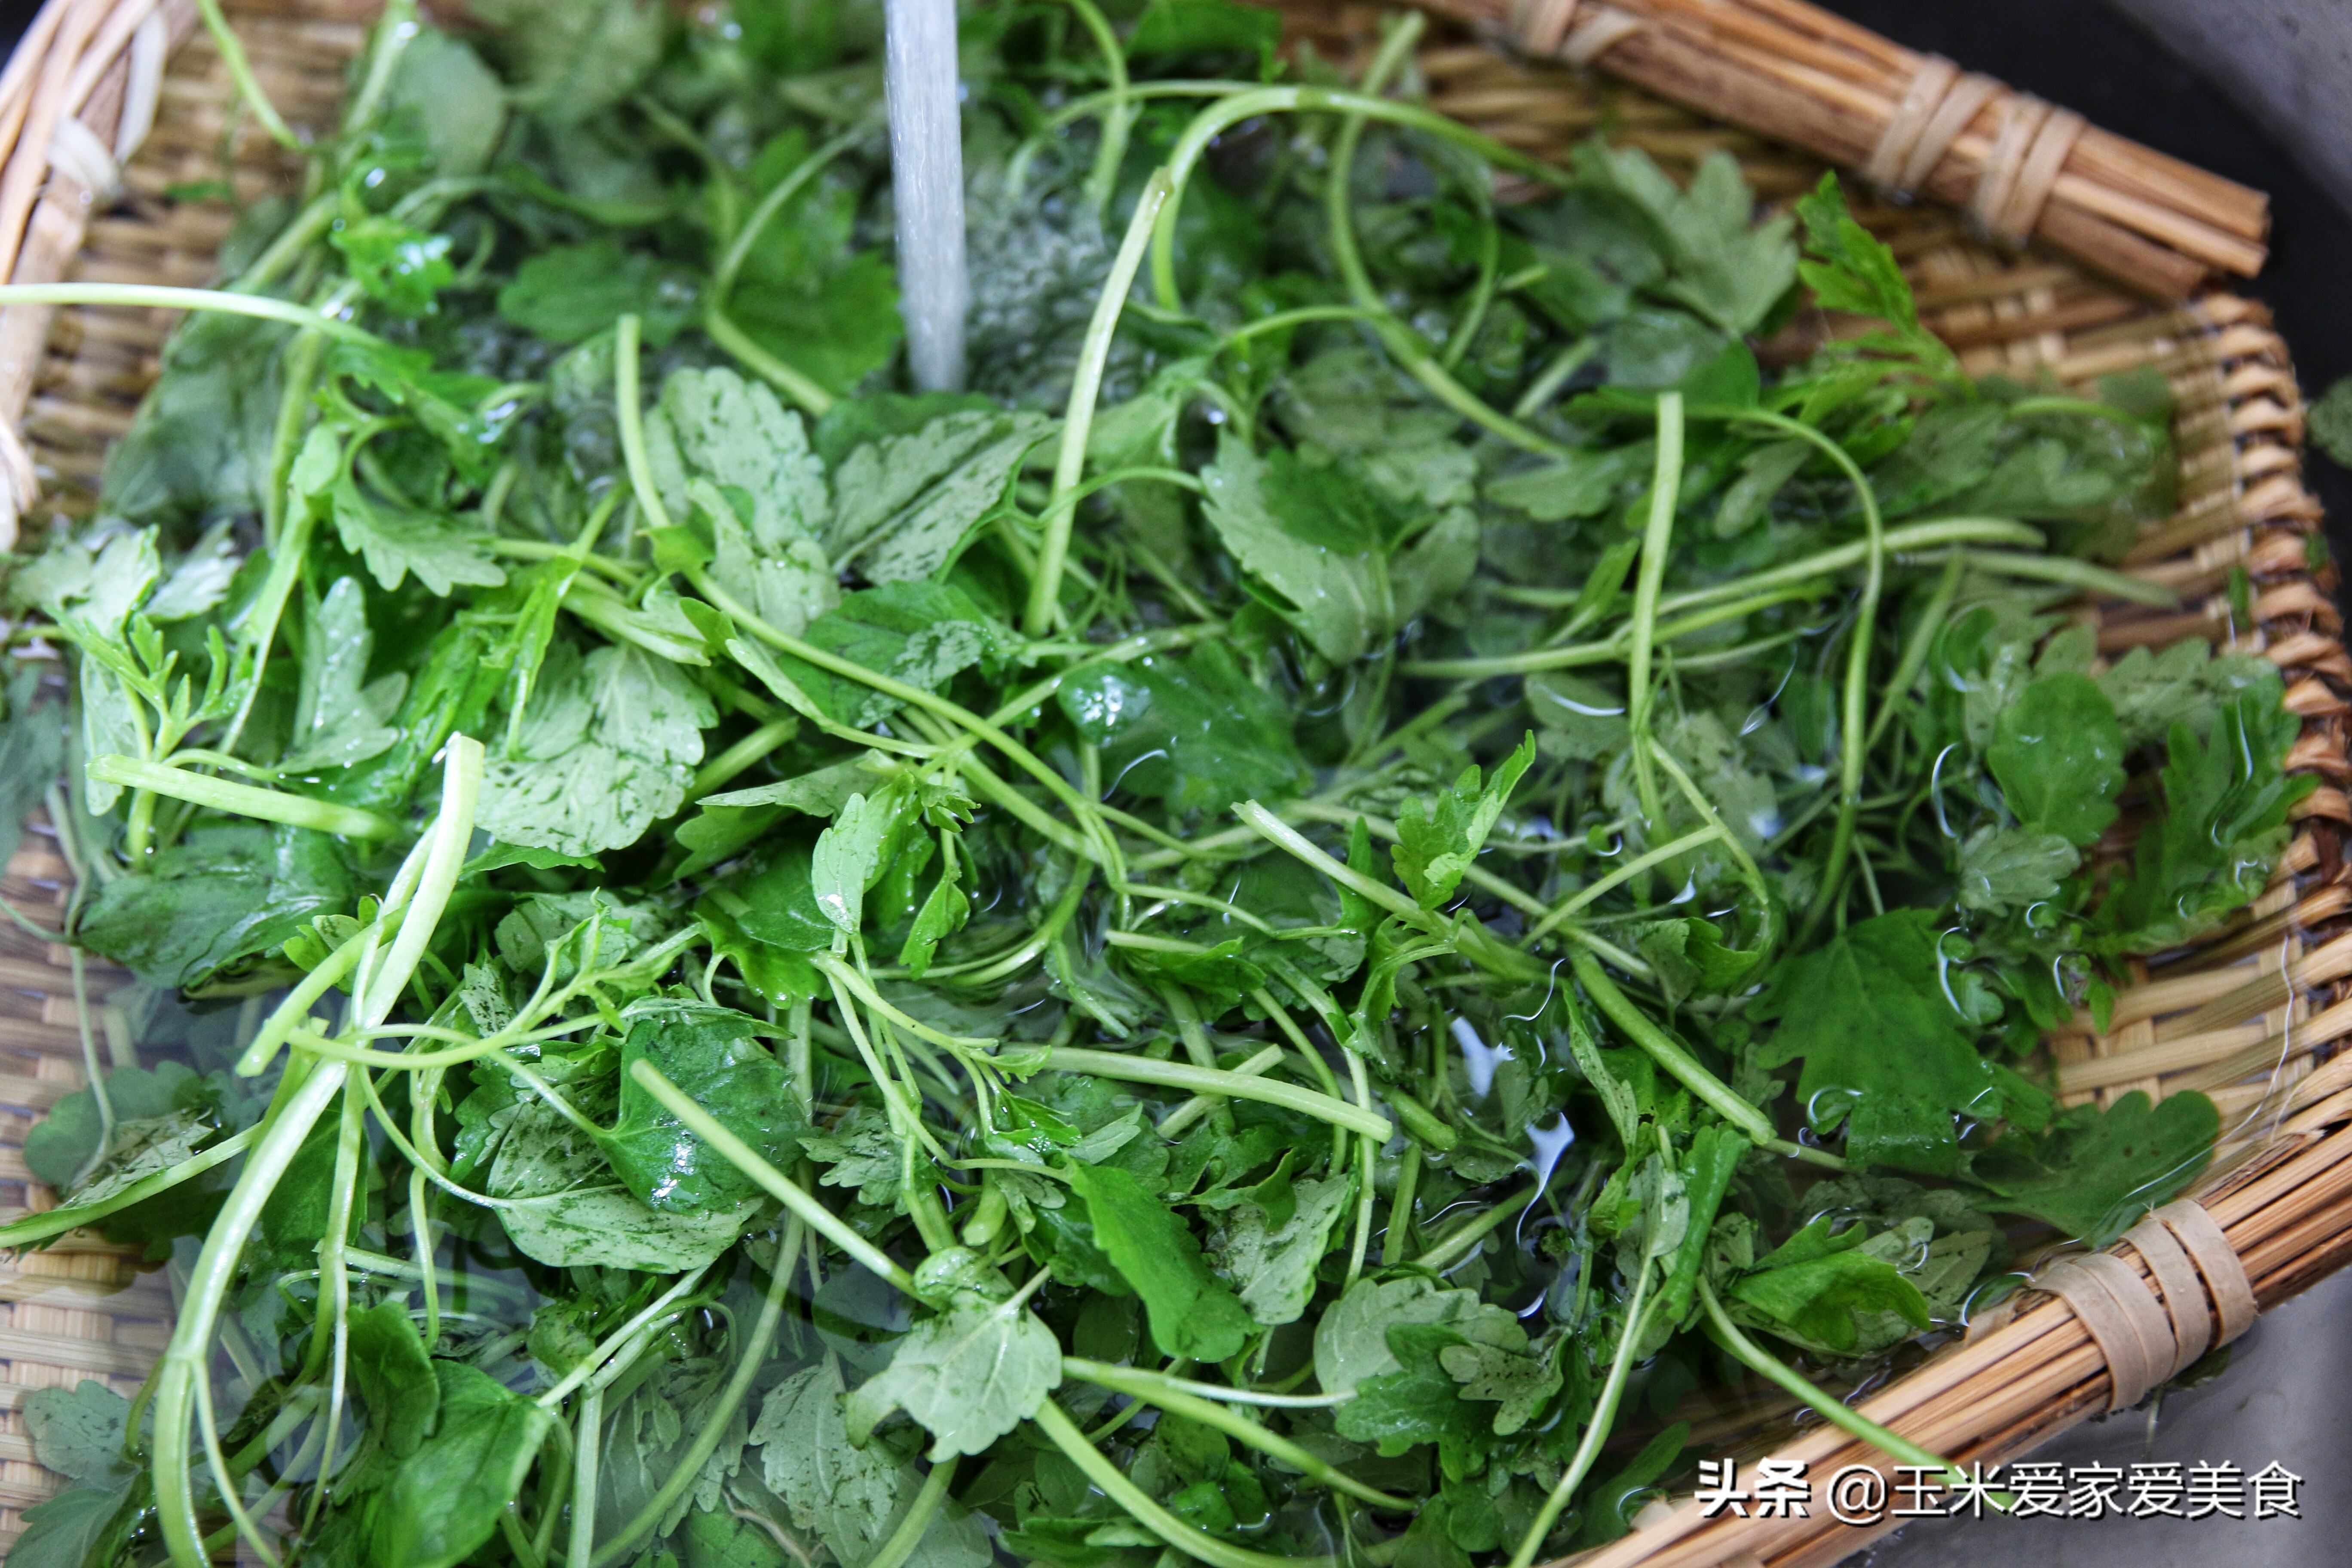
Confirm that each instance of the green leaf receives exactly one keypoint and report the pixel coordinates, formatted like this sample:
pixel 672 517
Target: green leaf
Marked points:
pixel 1339 603
pixel 444 1499
pixel 2058 755
pixel 942 914
pixel 441 88
pixel 200 446
pixel 1193 1312
pixel 1186 29
pixel 567 1208
pixel 401 268
pixel 397 541
pixel 572 60
pixel 571 292
pixel 1195 732
pixel 67 1530
pixel 80 1432
pixel 2331 421
pixel 727 1540
pixel 863 1153
pixel 1434 850
pixel 2002 870
pixel 341 717
pixel 906 504
pixel 1849 268
pixel 1421 1401
pixel 32 747
pixel 917 634
pixel 848 857
pixel 394 1376
pixel 846 1494
pixel 969 1376
pixel 1351 1339
pixel 1883 1051
pixel 714 1057
pixel 607 747
pixel 1495 1363
pixel 2097 1171
pixel 2227 801
pixel 1720 264
pixel 836 322
pixel 1271 1258
pixel 2187 683
pixel 771 503
pixel 214 903
pixel 729 824
pixel 1812 1286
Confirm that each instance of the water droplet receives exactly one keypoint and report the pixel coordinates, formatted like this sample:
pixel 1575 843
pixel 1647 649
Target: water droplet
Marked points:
pixel 1551 1143
pixel 1478 1058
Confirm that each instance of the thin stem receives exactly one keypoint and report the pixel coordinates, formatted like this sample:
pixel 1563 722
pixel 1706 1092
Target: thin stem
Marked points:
pixel 1175 1395
pixel 1063 1433
pixel 1631 869
pixel 1836 1411
pixel 240 70
pixel 1604 1417
pixel 715 1419
pixel 629 414
pixel 1442 1256
pixel 746 1159
pixel 1086 387
pixel 920 1513
pixel 721 329
pixel 1213 1080
pixel 1641 695
pixel 244 800
pixel 1668 1053
pixel 1103 178
pixel 164 297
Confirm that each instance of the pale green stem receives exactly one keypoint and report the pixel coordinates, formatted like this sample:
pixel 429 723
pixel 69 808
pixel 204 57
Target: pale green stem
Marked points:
pixel 1176 1396
pixel 1668 1053
pixel 243 800
pixel 721 330
pixel 920 1513
pixel 208 1282
pixel 714 1419
pixel 1836 1411
pixel 782 1188
pixel 240 71
pixel 1634 867
pixel 164 297
pixel 1604 1417
pixel 1640 696
pixel 1441 1255
pixel 1213 1080
pixel 629 414
pixel 1194 1542
pixel 772 203
pixel 1086 387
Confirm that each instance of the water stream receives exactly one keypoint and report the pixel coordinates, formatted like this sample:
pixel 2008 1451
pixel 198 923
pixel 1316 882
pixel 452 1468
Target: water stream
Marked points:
pixel 927 164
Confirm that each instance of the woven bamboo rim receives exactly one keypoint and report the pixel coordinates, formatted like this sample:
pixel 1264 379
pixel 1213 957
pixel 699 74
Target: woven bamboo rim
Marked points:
pixel 2250 1018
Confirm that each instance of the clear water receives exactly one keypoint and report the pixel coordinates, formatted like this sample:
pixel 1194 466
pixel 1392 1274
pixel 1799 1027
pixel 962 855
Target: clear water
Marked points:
pixel 926 179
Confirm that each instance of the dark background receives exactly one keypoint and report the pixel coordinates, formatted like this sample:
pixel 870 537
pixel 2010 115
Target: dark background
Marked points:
pixel 2095 61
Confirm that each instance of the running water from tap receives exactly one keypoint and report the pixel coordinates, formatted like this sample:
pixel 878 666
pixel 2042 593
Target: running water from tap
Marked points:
pixel 926 179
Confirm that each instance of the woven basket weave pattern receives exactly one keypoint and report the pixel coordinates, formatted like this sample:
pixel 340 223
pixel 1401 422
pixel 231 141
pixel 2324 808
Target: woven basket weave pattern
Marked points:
pixel 2248 1019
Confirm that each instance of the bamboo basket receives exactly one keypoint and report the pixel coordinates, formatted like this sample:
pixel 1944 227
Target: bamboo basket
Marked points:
pixel 108 106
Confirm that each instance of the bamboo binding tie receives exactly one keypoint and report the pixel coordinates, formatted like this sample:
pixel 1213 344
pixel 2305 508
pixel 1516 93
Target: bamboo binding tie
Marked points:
pixel 2203 1288
pixel 2028 150
pixel 1568 29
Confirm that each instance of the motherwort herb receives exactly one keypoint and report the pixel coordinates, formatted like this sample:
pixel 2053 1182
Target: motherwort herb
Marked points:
pixel 1255 938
